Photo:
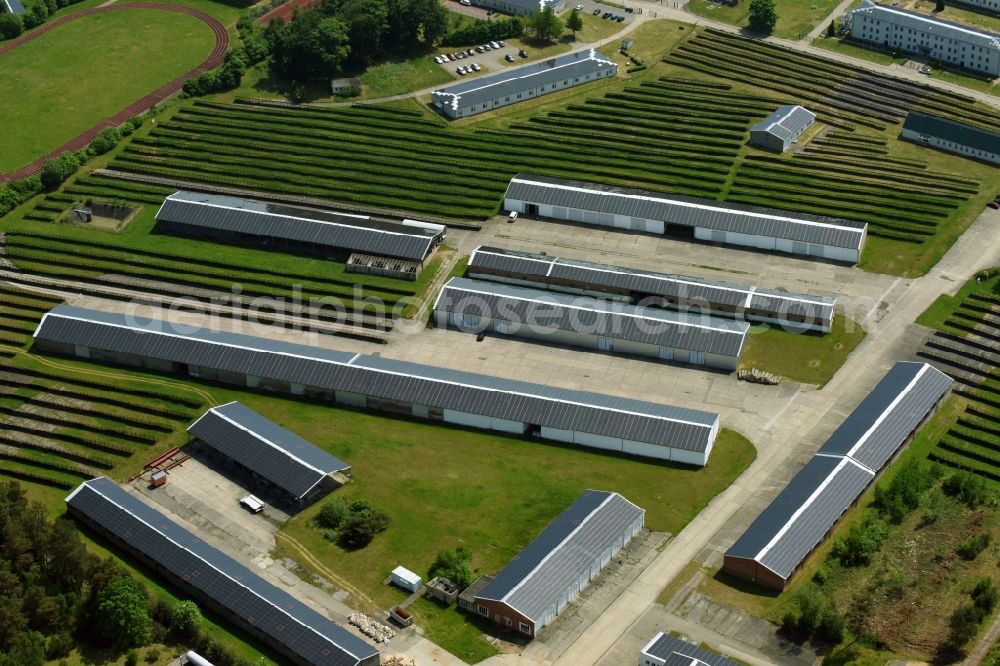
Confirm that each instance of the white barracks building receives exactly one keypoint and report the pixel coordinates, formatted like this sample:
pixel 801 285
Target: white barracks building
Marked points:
pixel 932 38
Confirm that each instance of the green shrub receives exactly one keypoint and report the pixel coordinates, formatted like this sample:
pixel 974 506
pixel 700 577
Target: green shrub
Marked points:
pixel 964 624
pixel 123 612
pixel 11 25
pixel 131 658
pixel 814 616
pixel 904 492
pixel 332 514
pixel 185 619
pixel 984 595
pixel 968 488
pixel 59 169
pixel 862 541
pixel 104 142
pixel 971 547
pixel 455 565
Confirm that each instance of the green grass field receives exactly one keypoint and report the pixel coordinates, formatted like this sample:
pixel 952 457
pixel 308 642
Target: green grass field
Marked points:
pixel 795 17
pixel 810 358
pixel 61 83
pixel 487 491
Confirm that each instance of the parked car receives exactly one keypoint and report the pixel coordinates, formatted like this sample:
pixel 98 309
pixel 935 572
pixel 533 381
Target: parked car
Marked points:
pixel 512 217
pixel 597 12
pixel 476 67
pixel 465 3
pixel 460 71
pixel 437 60
pixel 460 55
pixel 522 53
pixel 480 49
pixel 451 57
pixel 606 15
pixel 501 43
pixel 471 52
pixel 252 504
pixel 579 8
pixel 925 70
pixel 619 18
pixel 995 205
pixel 629 10
pixel 494 45
pixel 509 58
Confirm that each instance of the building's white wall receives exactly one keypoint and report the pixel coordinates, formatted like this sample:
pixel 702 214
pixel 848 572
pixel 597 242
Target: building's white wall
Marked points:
pixel 352 399
pixel 950 147
pixel 949 47
pixel 598 441
pixel 484 422
pixel 557 434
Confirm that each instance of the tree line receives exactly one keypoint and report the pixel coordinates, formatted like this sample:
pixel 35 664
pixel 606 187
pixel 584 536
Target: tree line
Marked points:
pixel 55 596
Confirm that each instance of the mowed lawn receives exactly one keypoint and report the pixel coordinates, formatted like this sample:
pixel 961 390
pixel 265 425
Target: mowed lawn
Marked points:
pixel 56 86
pixel 795 17
pixel 808 357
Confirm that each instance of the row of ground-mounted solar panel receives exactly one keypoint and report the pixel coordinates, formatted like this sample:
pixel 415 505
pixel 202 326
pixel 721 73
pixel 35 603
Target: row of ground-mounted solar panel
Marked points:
pixel 752 303
pixel 546 310
pixel 686 211
pixel 563 553
pixel 223 584
pixel 194 213
pixel 809 506
pixel 288 461
pixel 382 378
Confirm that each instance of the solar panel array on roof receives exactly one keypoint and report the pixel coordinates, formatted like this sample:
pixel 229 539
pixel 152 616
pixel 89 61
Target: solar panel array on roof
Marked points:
pixel 675 652
pixel 509 82
pixel 487 261
pixel 955 132
pixel 288 461
pixel 14 6
pixel 787 122
pixel 251 602
pixel 383 378
pixel 563 553
pixel 889 414
pixel 813 501
pixel 546 310
pixel 345 233
pixel 686 211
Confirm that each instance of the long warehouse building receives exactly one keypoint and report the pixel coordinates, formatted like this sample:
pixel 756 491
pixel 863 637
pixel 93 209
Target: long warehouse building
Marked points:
pixel 803 514
pixel 293 228
pixel 277 459
pixel 703 219
pixel 216 580
pixel 583 321
pixel 548 574
pixel 629 285
pixel 587 419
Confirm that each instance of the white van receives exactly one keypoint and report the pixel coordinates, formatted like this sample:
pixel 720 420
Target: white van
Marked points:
pixel 252 504
pixel 512 217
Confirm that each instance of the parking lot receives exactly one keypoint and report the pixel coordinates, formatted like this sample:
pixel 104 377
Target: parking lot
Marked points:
pixel 488 60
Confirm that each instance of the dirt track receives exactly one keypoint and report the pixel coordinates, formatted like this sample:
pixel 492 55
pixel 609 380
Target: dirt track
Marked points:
pixel 213 60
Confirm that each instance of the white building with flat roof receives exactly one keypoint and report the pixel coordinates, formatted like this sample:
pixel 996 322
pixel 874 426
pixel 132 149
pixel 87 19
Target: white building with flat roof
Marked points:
pixel 932 38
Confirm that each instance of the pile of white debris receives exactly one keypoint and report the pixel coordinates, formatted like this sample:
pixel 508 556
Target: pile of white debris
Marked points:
pixel 377 631
pixel 399 661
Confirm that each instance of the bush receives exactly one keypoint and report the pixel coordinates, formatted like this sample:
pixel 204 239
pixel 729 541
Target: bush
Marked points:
pixel 984 595
pixel 971 547
pixel 862 542
pixel 10 26
pixel 123 612
pixel 185 619
pixel 361 526
pixel 59 645
pixel 814 616
pixel 104 142
pixel 131 658
pixel 152 655
pixel 332 514
pixel 59 169
pixel 485 31
pixel 455 565
pixel 968 488
pixel 904 492
pixel 964 624
pixel 131 125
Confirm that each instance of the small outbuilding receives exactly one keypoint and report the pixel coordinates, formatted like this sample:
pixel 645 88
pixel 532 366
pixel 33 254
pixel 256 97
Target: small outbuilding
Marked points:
pixel 779 130
pixel 442 590
pixel 348 86
pixel 467 599
pixel 404 578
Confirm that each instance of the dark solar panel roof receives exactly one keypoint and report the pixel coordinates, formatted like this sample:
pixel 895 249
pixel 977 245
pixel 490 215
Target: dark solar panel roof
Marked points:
pixel 468 392
pixel 563 553
pixel 801 515
pixel 250 599
pixel 512 81
pixel 600 277
pixel 278 455
pixel 543 310
pixel 687 211
pixel 302 225
pixel 955 132
pixel 681 653
pixel 14 6
pixel 886 417
pixel 787 122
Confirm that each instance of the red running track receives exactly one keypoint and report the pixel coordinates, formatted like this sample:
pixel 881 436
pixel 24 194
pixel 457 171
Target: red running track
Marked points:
pixel 213 60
